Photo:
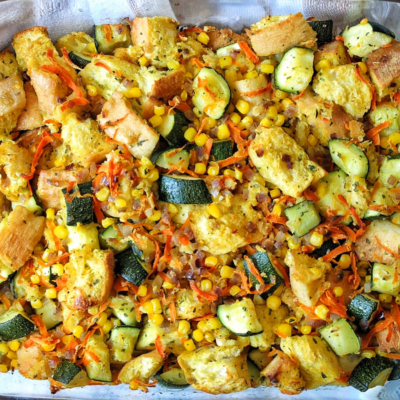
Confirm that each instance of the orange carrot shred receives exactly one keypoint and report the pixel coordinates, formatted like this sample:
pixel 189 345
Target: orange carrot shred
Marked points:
pixel 107 28
pixel 172 311
pixel 373 134
pixel 249 52
pixel 310 195
pixel 40 324
pixel 340 38
pixel 5 301
pixel 253 270
pixel 344 248
pixel 258 92
pixel 200 293
pixel 357 278
pixel 380 326
pixel 282 270
pixel 299 95
pixel 68 60
pixel 160 347
pixel 57 242
pixel 390 251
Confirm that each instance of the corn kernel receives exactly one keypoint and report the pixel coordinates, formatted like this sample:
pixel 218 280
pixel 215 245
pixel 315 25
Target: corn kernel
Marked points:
pixel 238 174
pixel 384 142
pixel 12 355
pixel 159 110
pixel 156 306
pixel 294 245
pixel 57 269
pixel 153 175
pixel 321 190
pixel 337 291
pixel 277 210
pixel 211 261
pixel 246 123
pixel 157 214
pixel 184 327
pixel 144 171
pixel 272 112
pixel 102 319
pixel 235 118
pixel 267 68
pixel 202 325
pixel 37 304
pixel 107 327
pixel 385 298
pixel 198 335
pixel 209 337
pixel 156 120
pixel 274 302
pixel 46 254
pixel 157 319
pixel 266 122
pixel 120 203
pixel 197 112
pixel 189 345
pixel 321 311
pixel 48 346
pixel 251 74
pixel 190 134
pixel 362 272
pixel 142 291
pixel 289 131
pixel 284 330
pixel 213 170
pixel 223 132
pixel 229 172
pixel 115 322
pixel 227 272
pixel 107 222
pixel 395 138
pixel 66 339
pixel 58 162
pixel 214 323
pixel 148 307
pixel 231 76
pixel 286 103
pixel 280 95
pixel 206 285
pixel 316 239
pixel 201 139
pixel 133 93
pixel 305 329
pixel 225 62
pixel 279 120
pixel 61 232
pixel 322 65
pixel 379 352
pixel 210 123
pixel 363 67
pixel 312 140
pixel 4 349
pixel 344 261
pixel 188 75
pixel 78 331
pixel 368 354
pixel 275 193
pixel 173 65
pixel 203 38
pixel 168 285
pixel 143 61
pixel 50 214
pixel 234 290
pixel 184 95
pixel 93 310
pixel 92 90
pixel 133 385
pixel 200 168
pixel 35 279
pixel 243 106
pixel 51 293
pixel 103 194
pixel 3 368
pixel 364 21
pixel 173 209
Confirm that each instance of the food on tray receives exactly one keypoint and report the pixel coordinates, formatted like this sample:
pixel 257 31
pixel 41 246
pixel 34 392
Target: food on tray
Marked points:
pixel 186 206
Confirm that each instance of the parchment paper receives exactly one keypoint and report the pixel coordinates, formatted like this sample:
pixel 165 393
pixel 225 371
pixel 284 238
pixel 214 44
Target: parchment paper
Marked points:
pixel 64 16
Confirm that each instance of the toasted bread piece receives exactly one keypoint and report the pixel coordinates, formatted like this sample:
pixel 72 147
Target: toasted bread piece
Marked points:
pixel 33 363
pixel 224 37
pixel 334 52
pixel 389 345
pixel 8 64
pixel 277 34
pixel 32 116
pixel 188 306
pixel 169 86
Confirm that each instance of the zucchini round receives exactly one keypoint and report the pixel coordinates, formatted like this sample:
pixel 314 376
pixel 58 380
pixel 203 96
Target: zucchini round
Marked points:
pixel 15 325
pixel 130 267
pixel 172 379
pixel 173 128
pixel 302 218
pixel 66 372
pixel 120 37
pixel 163 159
pixel 363 308
pixel 324 30
pixel 221 150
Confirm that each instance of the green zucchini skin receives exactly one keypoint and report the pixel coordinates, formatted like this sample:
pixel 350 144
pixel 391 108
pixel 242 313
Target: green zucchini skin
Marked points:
pixel 128 265
pixel 109 240
pixel 78 61
pixel 395 375
pixel 14 325
pixel 382 29
pixel 173 128
pixel 302 217
pixel 324 30
pixel 363 308
pixel 161 159
pixel 221 150
pixel 80 209
pixel 66 372
pixel 170 379
pixel 182 190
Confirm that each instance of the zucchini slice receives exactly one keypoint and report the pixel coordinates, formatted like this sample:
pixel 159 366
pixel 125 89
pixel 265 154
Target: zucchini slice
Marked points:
pixel 363 308
pixel 32 204
pixel 254 373
pixel 351 159
pixel 79 209
pixel 382 279
pixel 381 197
pixel 240 318
pixel 14 325
pixel 124 309
pixel 221 149
pixel 183 190
pixel 172 379
pixel 130 267
pixel 363 39
pixel 5 273
pixel 326 247
pixel 371 372
pixel 267 270
pixel 48 313
pixel 123 341
pixel 227 50
pixel 97 369
pixel 168 158
pixel 70 375
pixel 341 337
pixel 295 71
pixel 395 375
pixel 324 30
pixel 119 36
pixel 302 218
pixel 109 239
pixel 390 167
pixel 173 128
pixel 17 288
pixel 259 358
pixel 212 93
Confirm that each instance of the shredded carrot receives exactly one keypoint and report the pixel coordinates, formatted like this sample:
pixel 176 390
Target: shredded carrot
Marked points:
pixel 349 232
pixel 390 251
pixel 78 101
pixel 113 123
pixel 108 68
pixel 373 104
pixel 184 240
pixel 167 249
pixel 283 272
pixel 254 270
pixel 92 357
pixel 258 92
pixel 143 385
pixel 357 278
pixel 396 276
pixel 57 242
pixel 198 62
pixel 335 307
pixel 40 324
pixel 179 105
pixel 250 250
pixel 359 76
pixel 299 95
pixel 249 52
pixel 98 212
pixel 172 311
pixel 52 121
pixel 200 293
pixel 61 281
pixel 310 195
pixel 373 134
pixel 5 301
pixel 208 316
pixel 238 156
pixel 207 148
pixel 356 217
pixel 380 326
pixel 396 313
pixel 68 60
pixel 160 347
pixel 344 248
pixel 276 220
pixel 107 28
pixel 396 99
pixel 340 38
pixel 235 132
pixel 375 188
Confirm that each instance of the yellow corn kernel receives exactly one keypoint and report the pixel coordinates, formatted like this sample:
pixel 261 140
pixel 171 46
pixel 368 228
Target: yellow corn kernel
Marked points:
pixel 190 133
pixel 173 209
pixel 35 279
pixel 213 170
pixel 395 138
pixel 362 272
pixel 148 307
pixel 211 261
pixel 316 239
pixel 50 214
pixel 106 222
pixel 203 38
pixel 134 385
pixel 61 231
pixel 12 355
pixel 3 368
pixel 344 261
pixel 156 306
pixel 321 190
pixel 289 131
pixel 275 193
pixel 156 120
pixel 120 203
pixel 312 140
pixel 238 174
pixel 274 302
pixel 225 62
pixel 246 123
pixel 234 290
pixel 37 304
pixel 214 323
pixel 182 67
pixel 294 245
pixel 168 285
pixel 197 112
pixel 384 142
pixel 364 21
pixel 103 194
pixel 184 95
pixel 239 75
pixel 206 285
pixel 58 162
pixel 77 332
pixel 66 339
pixel 159 110
pixel 322 65
pixel 116 322
pixel 157 319
pixel 266 122
pixel 201 139
pixel 184 327
pixel 231 76
pixel 286 103
pixel 251 74
pixel 243 106
pixel 279 120
pixel 173 65
pixel 229 172
pixel 291 320
pixel 153 175
pixel 368 354
pixel 337 291
pixel 200 168
pixel 198 335
pixel 143 61
pixel 202 325
pixel 93 310
pixel 46 254
pixel 363 67
pixel 157 214
pixel 267 68
pixel 223 132
pixel 51 293
pixel 57 269
pixel 321 311
pixel 209 337
pixel 133 93
pixel 102 319
pixel 146 162
pixel 227 272
pixel 14 345
pixel 4 349
pixel 107 327
pixel 210 123
pixel 48 346
pixel 189 345
pixel 305 329
pixel 92 90
pixel 144 171
pixel 279 94
pixel 142 291
pixel 235 118
pixel 188 75
pixel 272 112
pixel 14 364
pixel 277 210
pixel 385 298
pixel 284 330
